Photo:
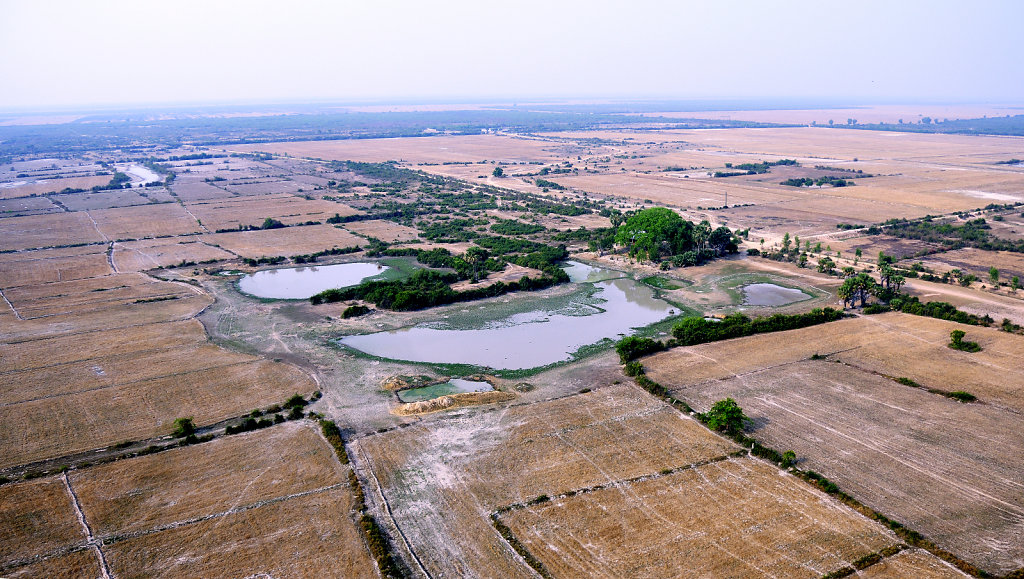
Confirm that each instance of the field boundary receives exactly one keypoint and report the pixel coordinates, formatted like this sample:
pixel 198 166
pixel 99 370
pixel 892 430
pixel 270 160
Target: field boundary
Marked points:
pixel 90 540
pixel 906 534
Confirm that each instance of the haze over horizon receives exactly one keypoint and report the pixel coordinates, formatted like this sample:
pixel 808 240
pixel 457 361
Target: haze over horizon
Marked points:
pixel 68 54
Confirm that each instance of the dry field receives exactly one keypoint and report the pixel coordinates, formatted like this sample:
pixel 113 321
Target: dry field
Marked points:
pixel 27 206
pixel 153 492
pixel 79 564
pixel 268 187
pixel 383 230
pixel 733 518
pixel 148 254
pixel 98 293
pixel 111 199
pixel 289 209
pixel 272 502
pixel 978 262
pixel 44 186
pixel 442 480
pixel 946 469
pixel 36 518
pixel 146 221
pixel 191 190
pixel 912 563
pixel 48 231
pixel 416 149
pixel 286 241
pixel 51 265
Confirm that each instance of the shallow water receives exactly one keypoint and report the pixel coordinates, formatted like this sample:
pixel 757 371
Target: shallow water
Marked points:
pixel 453 386
pixel 298 283
pixel 769 294
pixel 527 339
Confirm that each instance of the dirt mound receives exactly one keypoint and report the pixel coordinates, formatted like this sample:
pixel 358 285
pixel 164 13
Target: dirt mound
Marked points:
pixel 452 401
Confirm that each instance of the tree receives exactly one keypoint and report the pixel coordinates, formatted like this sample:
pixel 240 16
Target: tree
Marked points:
pixel 656 231
pixel 498 172
pixel 786 242
pixel 826 265
pixel 475 256
pixel 726 416
pixel 993 274
pixel 1015 283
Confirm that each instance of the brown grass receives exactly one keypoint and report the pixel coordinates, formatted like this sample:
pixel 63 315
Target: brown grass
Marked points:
pixel 913 563
pixel 289 209
pixel 197 481
pixel 52 265
pixel 66 349
pixel 36 518
pixel 144 221
pixel 139 410
pixel 47 231
pixel 443 478
pixel 287 241
pixel 53 185
pixel 79 564
pixel 148 254
pixel 383 230
pixel 309 536
pixel 738 517
pixel 946 469
pixel 67 298
pixel 115 198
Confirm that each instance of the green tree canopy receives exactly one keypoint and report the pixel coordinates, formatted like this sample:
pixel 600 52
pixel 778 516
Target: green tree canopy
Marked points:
pixel 654 232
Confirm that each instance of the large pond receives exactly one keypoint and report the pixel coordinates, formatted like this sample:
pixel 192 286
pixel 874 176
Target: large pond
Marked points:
pixel 609 309
pixel 299 283
pixel 453 386
pixel 769 294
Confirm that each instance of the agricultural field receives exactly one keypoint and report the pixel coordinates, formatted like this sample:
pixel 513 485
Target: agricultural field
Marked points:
pixel 284 241
pixel 572 450
pixel 944 468
pixel 274 501
pixel 288 209
pixel 165 252
pixel 120 312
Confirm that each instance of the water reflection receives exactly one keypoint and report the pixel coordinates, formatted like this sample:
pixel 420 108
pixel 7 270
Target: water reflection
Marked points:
pixel 529 339
pixel 302 282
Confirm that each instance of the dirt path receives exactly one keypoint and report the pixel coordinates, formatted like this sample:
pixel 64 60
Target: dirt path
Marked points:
pixel 90 539
pixel 10 305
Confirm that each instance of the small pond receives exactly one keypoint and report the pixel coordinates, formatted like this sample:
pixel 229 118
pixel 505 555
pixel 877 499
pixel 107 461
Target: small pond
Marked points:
pixel 609 309
pixel 299 283
pixel 453 386
pixel 769 294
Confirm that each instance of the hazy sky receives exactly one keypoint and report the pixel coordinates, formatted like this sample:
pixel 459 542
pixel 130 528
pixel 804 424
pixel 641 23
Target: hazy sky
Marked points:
pixel 86 52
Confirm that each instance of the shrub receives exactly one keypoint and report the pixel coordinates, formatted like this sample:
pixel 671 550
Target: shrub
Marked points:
pixel 633 369
pixel 788 459
pixel 183 427
pixel 962 396
pixel 633 347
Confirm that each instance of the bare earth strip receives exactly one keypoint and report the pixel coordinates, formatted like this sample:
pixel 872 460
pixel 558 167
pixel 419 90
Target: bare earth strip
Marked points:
pixel 912 563
pixel 193 482
pixel 946 469
pixel 735 518
pixel 444 479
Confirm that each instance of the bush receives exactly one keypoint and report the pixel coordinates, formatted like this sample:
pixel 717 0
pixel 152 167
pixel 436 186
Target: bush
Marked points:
pixel 633 369
pixel 354 311
pixel 788 459
pixel 633 347
pixel 962 396
pixel 183 427
pixel 957 342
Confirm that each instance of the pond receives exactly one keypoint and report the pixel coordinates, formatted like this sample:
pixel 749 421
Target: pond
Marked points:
pixel 769 294
pixel 299 283
pixel 609 309
pixel 453 386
